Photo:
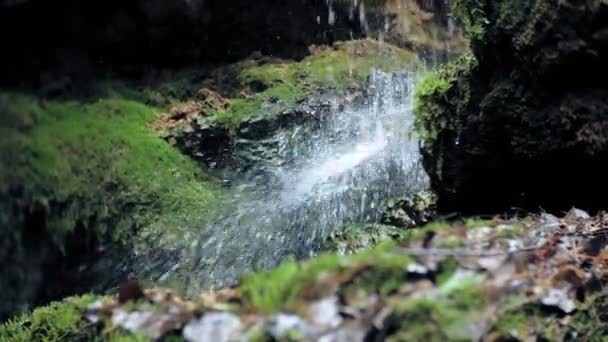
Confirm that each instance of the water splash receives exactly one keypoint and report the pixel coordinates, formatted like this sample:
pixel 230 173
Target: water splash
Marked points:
pixel 337 175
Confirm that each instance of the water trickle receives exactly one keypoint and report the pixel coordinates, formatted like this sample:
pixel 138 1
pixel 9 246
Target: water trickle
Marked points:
pixel 338 174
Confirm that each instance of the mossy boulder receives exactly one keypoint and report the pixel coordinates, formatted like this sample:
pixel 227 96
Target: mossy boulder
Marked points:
pixel 273 94
pixel 82 181
pixel 522 121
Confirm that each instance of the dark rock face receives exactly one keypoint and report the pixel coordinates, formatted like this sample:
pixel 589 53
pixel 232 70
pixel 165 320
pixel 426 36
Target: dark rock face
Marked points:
pixel 46 42
pixel 79 38
pixel 36 266
pixel 524 123
pixel 255 141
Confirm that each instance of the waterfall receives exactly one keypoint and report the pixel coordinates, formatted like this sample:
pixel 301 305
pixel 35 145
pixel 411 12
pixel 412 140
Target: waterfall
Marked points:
pixel 338 174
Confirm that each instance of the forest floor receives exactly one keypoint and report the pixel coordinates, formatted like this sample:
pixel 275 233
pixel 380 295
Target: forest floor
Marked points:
pixel 535 278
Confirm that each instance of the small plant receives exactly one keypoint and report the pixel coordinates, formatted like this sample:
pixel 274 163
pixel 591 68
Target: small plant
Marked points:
pixel 58 321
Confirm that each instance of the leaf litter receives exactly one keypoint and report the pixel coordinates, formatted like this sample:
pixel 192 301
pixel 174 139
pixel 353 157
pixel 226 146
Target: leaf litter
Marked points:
pixel 521 279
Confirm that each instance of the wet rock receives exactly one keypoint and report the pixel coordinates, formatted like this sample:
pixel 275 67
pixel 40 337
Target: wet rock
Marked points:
pixel 521 122
pixel 410 211
pixel 209 143
pixel 563 298
pixel 283 325
pixel 214 326
pixel 131 37
pixel 578 214
pixel 326 313
pixel 210 99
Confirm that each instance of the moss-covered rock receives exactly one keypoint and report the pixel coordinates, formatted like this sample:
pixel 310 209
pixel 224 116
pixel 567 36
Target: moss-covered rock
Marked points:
pixel 354 238
pixel 522 122
pixel 413 210
pixel 272 94
pixel 83 179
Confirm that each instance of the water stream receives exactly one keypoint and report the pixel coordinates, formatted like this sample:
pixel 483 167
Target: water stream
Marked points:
pixel 338 174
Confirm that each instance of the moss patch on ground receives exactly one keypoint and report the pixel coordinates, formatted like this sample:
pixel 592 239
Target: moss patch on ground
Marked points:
pixel 344 66
pixel 58 321
pixel 292 283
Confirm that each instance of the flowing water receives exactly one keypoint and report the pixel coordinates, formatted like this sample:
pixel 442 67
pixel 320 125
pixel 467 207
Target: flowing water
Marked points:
pixel 337 174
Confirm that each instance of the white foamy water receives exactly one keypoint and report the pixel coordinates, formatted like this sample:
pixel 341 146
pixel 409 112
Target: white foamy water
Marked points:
pixel 338 174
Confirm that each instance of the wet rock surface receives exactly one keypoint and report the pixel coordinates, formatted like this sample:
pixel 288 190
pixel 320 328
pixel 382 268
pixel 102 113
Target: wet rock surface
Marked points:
pixel 523 121
pixel 275 103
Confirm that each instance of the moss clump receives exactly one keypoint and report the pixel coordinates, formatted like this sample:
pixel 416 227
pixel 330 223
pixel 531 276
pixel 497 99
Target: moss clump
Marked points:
pixel 448 317
pixel 450 242
pixel 74 174
pixel 63 321
pixel 523 319
pixel 284 287
pixel 433 105
pixel 431 228
pixel 510 230
pixel 354 238
pixel 101 158
pixel 342 66
pixel 590 323
pixel 450 234
pixel 119 336
pixel 473 14
pixel 528 320
pixel 58 321
pixel 477 222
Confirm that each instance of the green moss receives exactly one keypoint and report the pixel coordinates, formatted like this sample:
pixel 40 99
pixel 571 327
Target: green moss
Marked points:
pixel 421 233
pixel 446 317
pixel 473 15
pixel 353 238
pixel 446 269
pixel 102 160
pixel 432 320
pixel 510 230
pixel 343 66
pixel 450 242
pixel 238 110
pixel 513 324
pixel 589 321
pixel 476 222
pixel 58 321
pixel 283 287
pixel 120 336
pixel 88 172
pixel 434 112
pixel 524 318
